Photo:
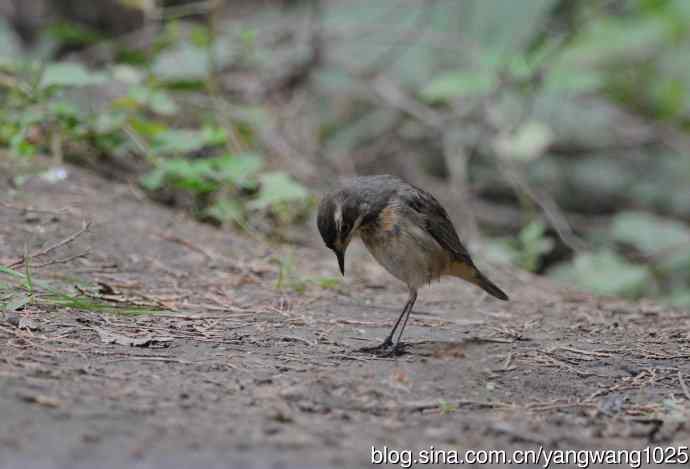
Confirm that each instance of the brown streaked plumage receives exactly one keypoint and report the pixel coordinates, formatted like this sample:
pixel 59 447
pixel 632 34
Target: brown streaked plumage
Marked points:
pixel 406 230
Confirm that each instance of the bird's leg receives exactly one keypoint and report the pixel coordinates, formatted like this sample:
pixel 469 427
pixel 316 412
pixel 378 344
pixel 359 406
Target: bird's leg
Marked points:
pixel 408 310
pixel 389 340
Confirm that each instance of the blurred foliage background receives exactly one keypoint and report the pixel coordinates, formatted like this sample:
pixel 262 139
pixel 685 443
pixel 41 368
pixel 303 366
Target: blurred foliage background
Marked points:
pixel 559 129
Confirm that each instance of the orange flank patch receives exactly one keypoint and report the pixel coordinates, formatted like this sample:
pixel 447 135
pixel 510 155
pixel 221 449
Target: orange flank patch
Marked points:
pixel 462 270
pixel 389 218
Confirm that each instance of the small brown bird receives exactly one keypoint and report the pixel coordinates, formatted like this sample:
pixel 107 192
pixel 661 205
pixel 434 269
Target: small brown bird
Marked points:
pixel 406 230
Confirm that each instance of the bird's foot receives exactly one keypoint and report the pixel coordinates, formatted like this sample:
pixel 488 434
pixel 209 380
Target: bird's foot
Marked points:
pixel 386 349
pixel 382 347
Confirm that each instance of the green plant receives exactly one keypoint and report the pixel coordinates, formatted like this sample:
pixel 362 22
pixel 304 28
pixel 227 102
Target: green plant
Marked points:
pixel 526 250
pixel 290 278
pixel 23 289
pixel 445 407
pixel 44 112
pixel 651 258
pixel 607 273
pixel 287 274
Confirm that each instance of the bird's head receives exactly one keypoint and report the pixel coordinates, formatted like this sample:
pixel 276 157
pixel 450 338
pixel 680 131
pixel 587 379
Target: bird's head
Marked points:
pixel 340 216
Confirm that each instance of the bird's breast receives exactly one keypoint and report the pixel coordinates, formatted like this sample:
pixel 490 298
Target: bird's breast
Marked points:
pixel 405 249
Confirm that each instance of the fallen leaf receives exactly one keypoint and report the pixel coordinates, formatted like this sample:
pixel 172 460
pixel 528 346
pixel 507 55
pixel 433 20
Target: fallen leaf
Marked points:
pixel 40 399
pixel 449 351
pixel 20 321
pixel 109 337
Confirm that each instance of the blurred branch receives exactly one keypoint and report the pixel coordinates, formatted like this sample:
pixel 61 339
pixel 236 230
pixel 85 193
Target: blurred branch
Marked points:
pixel 213 11
pixel 201 8
pixel 674 139
pixel 434 40
pixel 394 96
pixel 535 79
pixel 301 71
pixel 390 56
pixel 509 218
pixel 548 206
pixel 138 142
pixel 316 33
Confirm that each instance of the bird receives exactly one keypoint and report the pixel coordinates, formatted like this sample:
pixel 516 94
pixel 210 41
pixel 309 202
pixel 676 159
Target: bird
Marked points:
pixel 406 230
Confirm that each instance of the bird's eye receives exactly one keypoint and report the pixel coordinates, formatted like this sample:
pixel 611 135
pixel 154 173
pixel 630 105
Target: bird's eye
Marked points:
pixel 345 228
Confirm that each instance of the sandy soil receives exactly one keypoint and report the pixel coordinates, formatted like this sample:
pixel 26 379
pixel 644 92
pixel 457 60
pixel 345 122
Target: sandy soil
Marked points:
pixel 236 372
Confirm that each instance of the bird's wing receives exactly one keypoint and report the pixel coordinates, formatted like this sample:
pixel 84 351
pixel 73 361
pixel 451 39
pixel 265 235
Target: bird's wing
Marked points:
pixel 436 222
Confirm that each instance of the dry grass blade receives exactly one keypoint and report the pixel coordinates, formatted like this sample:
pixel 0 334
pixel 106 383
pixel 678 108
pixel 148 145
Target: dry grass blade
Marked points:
pixel 683 386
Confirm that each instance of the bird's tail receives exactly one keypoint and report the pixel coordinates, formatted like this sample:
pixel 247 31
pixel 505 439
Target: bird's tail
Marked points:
pixel 470 273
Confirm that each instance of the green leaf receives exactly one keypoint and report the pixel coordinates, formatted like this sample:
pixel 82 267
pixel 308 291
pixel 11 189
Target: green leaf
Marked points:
pixel 526 251
pixel 650 233
pixel 63 108
pixel 158 101
pixel 171 142
pixel 573 80
pixel 226 210
pixel 20 146
pixel 532 232
pixel 72 33
pixel 237 168
pixel 154 180
pixel 278 187
pixel 128 74
pixel 108 122
pixel 183 63
pixel 459 84
pixel 148 128
pixel 204 175
pixel 606 273
pixel 181 173
pixel 69 75
pixel 162 103
pixel 446 407
pixel 214 135
pixel 533 245
pixel 529 142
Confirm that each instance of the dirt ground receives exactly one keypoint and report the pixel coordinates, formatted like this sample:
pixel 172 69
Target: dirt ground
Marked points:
pixel 235 372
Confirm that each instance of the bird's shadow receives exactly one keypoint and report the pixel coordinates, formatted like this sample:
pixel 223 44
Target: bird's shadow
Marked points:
pixel 429 348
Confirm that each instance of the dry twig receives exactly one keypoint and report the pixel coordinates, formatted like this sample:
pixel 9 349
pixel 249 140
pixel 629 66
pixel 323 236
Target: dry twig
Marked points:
pixel 150 359
pixel 188 244
pixel 48 249
pixel 65 260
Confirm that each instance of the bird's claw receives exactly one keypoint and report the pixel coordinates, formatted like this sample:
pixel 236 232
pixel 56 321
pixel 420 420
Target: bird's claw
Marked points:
pixel 386 349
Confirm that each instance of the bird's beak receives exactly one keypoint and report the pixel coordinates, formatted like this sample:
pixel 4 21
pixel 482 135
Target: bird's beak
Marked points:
pixel 340 254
